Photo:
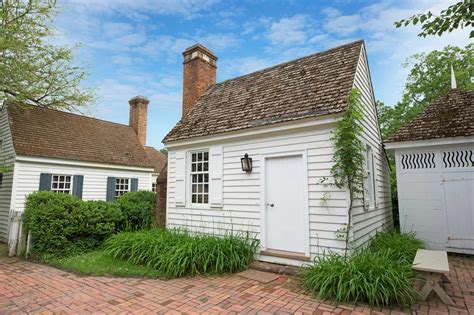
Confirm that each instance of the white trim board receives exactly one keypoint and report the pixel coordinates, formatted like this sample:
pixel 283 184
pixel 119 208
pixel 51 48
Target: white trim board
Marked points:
pixel 53 161
pixel 425 143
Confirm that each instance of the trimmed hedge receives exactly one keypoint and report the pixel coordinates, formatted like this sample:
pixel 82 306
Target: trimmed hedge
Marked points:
pixel 63 225
pixel 138 209
pixel 177 253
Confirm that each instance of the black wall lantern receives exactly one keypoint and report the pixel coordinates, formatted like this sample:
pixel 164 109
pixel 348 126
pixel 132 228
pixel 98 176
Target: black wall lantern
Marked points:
pixel 246 163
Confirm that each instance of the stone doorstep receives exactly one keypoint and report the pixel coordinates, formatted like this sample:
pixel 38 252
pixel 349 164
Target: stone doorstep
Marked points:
pixel 274 268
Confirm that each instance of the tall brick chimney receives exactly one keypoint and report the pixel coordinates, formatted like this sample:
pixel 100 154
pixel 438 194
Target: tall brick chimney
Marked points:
pixel 198 74
pixel 138 116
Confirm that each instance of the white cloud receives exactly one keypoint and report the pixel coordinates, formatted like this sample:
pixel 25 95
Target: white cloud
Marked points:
pixel 114 29
pixel 240 66
pixel 289 31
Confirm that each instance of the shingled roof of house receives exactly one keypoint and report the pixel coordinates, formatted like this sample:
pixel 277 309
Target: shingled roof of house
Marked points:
pixel 311 86
pixel 452 115
pixel 44 132
pixel 156 158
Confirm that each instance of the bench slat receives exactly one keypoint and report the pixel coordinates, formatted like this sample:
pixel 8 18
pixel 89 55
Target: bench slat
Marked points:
pixel 431 261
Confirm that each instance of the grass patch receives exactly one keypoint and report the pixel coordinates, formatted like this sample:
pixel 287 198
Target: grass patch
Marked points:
pixel 177 253
pixel 380 274
pixel 100 263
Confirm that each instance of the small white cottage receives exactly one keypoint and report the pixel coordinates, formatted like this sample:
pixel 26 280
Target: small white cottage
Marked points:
pixel 248 154
pixel 46 149
pixel 434 156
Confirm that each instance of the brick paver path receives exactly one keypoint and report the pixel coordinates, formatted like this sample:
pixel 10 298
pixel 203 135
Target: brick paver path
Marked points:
pixel 26 287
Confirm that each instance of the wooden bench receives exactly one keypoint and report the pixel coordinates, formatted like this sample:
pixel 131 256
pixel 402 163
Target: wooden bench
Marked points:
pixel 434 267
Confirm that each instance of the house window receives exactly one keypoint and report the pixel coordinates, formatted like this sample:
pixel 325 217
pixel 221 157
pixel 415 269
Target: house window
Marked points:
pixel 153 187
pixel 200 177
pixel 370 180
pixel 61 184
pixel 122 186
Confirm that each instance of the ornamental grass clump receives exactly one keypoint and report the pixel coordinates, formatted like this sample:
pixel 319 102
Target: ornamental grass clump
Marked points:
pixel 370 277
pixel 380 274
pixel 177 253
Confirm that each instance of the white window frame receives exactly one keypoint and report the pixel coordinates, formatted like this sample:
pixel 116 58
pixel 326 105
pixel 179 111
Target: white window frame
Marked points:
pixel 63 190
pixel 369 183
pixel 202 172
pixel 153 187
pixel 119 192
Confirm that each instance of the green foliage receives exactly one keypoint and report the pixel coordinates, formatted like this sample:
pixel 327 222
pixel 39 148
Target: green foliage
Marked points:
pixel 348 155
pixel 458 15
pixel 177 253
pixel 61 224
pixel 99 263
pixel 429 78
pixel 402 247
pixel 379 275
pixel 138 209
pixel 34 71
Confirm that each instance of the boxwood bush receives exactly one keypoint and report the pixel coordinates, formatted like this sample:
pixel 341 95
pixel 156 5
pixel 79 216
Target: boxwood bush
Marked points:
pixel 176 253
pixel 61 224
pixel 380 274
pixel 138 209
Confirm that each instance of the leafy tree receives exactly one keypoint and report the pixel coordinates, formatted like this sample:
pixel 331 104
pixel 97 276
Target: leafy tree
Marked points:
pixel 429 79
pixel 35 71
pixel 458 15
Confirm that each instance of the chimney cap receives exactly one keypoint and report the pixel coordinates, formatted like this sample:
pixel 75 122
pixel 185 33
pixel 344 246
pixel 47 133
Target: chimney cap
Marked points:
pixel 139 99
pixel 202 49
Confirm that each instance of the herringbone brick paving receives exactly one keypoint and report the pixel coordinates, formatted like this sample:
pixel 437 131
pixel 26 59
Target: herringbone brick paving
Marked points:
pixel 27 287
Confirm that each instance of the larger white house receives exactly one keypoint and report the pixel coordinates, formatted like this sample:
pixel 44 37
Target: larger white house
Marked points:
pixel 46 149
pixel 281 118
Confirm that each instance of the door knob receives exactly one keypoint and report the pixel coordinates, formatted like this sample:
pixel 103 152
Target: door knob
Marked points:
pixel 270 204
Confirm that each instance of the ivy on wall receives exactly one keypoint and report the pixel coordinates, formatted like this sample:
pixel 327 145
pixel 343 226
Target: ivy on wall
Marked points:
pixel 348 168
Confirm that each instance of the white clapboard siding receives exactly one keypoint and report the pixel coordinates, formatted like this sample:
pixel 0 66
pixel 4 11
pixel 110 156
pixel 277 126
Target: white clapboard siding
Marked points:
pixel 7 158
pixel 367 222
pixel 241 207
pixel 95 178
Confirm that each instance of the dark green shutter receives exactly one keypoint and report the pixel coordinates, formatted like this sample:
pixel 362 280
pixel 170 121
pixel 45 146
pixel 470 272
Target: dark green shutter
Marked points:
pixel 45 181
pixel 77 183
pixel 134 184
pixel 110 188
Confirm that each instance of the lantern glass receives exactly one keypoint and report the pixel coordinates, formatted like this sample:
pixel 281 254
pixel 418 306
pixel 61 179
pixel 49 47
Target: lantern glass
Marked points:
pixel 246 163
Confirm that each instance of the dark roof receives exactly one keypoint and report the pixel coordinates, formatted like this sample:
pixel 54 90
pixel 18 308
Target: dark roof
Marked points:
pixel 156 158
pixel 452 115
pixel 311 86
pixel 43 132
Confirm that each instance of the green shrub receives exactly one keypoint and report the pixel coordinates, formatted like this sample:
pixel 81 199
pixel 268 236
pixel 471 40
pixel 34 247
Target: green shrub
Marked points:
pixel 368 276
pixel 61 224
pixel 176 253
pixel 138 209
pixel 402 246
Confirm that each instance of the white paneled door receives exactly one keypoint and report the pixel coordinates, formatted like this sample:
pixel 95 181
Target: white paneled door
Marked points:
pixel 286 210
pixel 459 198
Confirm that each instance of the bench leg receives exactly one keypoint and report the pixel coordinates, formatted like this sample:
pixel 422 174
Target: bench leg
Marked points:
pixel 432 284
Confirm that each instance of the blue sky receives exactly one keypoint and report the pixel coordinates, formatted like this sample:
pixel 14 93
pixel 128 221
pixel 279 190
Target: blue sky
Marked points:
pixel 134 47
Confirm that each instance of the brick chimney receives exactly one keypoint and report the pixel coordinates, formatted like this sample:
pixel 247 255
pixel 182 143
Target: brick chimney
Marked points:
pixel 138 116
pixel 199 73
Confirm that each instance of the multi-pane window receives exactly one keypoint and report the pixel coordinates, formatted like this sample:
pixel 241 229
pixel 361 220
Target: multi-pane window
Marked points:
pixel 122 186
pixel 61 184
pixel 153 187
pixel 200 177
pixel 370 180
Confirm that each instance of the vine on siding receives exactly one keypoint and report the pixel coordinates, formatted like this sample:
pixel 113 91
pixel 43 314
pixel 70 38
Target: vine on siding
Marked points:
pixel 348 168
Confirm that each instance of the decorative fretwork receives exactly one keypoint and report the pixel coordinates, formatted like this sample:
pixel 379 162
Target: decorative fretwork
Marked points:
pixel 458 158
pixel 414 161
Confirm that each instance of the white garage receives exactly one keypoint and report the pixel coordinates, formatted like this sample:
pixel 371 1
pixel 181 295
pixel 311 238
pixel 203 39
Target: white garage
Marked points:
pixel 434 156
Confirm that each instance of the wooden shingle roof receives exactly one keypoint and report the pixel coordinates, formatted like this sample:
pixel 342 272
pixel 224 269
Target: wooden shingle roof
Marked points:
pixel 43 132
pixel 311 86
pixel 452 115
pixel 157 159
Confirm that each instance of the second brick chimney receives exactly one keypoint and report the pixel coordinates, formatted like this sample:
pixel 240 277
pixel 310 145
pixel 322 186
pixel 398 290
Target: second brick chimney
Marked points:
pixel 198 74
pixel 138 116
